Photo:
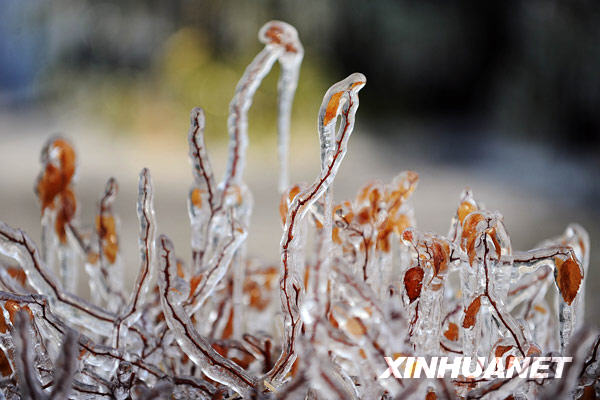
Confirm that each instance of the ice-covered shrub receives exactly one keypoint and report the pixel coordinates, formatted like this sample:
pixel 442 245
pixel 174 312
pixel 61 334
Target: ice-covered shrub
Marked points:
pixel 357 282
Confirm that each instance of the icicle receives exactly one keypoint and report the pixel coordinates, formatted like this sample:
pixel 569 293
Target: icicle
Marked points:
pixel 359 284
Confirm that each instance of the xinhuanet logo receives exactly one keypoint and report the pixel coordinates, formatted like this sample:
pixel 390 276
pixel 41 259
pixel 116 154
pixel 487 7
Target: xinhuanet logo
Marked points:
pixel 480 367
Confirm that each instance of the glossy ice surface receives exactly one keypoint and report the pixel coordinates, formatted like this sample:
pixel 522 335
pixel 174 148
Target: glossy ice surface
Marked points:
pixel 357 281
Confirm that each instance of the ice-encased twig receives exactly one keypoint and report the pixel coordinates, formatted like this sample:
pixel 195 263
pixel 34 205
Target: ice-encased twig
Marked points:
pixel 146 243
pixel 434 257
pixel 103 263
pixel 24 359
pixel 203 197
pixel 467 205
pixel 485 246
pixel 340 99
pixel 581 345
pixel 66 367
pixel 94 355
pixel 281 43
pixel 318 275
pixel 370 283
pixel 17 245
pixel 577 238
pixel 568 278
pixel 58 205
pixel 218 265
pixel 192 343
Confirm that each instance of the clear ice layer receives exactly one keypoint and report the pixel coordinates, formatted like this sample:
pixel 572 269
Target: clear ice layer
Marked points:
pixel 357 281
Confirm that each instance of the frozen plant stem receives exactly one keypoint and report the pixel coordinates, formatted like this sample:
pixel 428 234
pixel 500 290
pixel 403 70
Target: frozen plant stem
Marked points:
pixel 358 281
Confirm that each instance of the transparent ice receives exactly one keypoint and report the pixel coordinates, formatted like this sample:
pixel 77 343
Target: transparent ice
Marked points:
pixel 357 281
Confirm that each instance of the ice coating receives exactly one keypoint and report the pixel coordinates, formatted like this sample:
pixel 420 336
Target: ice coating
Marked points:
pixel 55 190
pixel 291 282
pixel 103 262
pixel 281 43
pixel 279 33
pixel 358 281
pixel 199 349
pixel 130 312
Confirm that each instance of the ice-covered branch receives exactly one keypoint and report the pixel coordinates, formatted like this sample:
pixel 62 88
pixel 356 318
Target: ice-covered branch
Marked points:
pixel 360 285
pixel 341 99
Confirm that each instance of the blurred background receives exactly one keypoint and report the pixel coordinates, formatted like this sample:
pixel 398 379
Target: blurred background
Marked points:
pixel 498 96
